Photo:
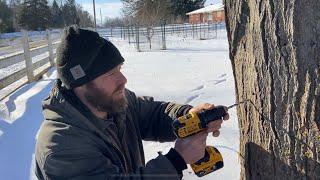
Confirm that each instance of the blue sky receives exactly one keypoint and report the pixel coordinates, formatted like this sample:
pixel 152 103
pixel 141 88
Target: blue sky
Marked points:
pixel 112 8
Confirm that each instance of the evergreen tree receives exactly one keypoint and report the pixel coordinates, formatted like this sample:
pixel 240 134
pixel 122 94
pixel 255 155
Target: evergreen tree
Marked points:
pixel 15 6
pixel 85 20
pixel 57 17
pixel 6 17
pixel 34 15
pixel 69 11
pixel 181 7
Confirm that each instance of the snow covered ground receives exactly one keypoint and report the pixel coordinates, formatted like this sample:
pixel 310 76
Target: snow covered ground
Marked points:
pixel 189 71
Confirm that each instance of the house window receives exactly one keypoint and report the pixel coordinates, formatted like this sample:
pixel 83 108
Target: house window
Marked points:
pixel 219 13
pixel 209 16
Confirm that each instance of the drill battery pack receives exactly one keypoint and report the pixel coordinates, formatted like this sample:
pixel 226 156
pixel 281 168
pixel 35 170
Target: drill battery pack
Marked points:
pixel 211 161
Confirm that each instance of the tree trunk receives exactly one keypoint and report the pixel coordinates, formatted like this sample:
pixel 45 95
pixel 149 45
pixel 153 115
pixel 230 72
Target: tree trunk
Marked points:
pixel 275 54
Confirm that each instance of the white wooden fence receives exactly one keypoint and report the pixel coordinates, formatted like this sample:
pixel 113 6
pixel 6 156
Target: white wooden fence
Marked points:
pixel 34 69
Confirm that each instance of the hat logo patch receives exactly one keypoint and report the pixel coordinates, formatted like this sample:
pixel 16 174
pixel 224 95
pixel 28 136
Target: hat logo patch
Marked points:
pixel 77 72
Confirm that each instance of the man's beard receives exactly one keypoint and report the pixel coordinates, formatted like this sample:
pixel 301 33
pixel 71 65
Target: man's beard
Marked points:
pixel 105 102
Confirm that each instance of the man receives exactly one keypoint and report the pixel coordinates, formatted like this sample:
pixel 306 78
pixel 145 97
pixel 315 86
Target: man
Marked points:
pixel 94 127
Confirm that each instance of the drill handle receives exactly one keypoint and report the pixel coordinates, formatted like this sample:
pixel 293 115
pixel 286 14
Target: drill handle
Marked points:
pixel 216 113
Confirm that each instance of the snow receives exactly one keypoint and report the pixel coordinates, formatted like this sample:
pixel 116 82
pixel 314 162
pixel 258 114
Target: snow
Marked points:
pixel 189 71
pixel 208 9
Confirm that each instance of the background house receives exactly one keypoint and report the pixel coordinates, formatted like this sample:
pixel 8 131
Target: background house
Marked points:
pixel 209 14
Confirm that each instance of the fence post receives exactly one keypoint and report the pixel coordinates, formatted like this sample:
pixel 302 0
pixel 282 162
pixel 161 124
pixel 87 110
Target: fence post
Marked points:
pixel 129 34
pixel 216 26
pixel 27 56
pixel 124 33
pixel 137 39
pixel 163 27
pixel 121 31
pixel 200 32
pixel 172 30
pixel 50 47
pixel 183 30
pixel 132 31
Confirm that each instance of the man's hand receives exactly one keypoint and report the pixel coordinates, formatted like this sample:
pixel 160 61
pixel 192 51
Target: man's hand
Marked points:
pixel 212 126
pixel 192 148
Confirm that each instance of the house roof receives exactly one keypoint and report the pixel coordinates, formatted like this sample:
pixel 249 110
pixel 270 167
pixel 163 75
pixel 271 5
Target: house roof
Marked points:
pixel 208 9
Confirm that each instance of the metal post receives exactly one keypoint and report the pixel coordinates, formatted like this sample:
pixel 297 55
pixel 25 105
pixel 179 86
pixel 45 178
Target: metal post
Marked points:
pixel 124 33
pixel 27 56
pixel 137 39
pixel 50 47
pixel 129 34
pixel 173 27
pixel 216 25
pixel 94 15
pixel 164 47
pixel 121 32
pixel 100 17
pixel 182 30
pixel 192 30
pixel 200 31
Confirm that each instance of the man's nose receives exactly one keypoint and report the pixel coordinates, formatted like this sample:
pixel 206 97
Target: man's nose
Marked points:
pixel 122 79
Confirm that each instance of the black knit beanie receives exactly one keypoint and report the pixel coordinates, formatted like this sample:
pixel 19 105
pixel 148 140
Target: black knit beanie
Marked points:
pixel 83 56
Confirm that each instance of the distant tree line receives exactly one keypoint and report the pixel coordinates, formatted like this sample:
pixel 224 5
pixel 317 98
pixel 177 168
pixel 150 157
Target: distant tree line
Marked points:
pixel 155 12
pixel 39 15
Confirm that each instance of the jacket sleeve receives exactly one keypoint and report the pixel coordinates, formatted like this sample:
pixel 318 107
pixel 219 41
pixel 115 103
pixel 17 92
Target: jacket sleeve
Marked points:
pixel 92 165
pixel 155 117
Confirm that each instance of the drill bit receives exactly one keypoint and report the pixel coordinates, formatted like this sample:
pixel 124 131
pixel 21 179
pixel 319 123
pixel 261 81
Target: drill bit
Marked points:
pixel 236 104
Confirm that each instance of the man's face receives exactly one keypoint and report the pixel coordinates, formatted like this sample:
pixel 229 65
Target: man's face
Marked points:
pixel 106 92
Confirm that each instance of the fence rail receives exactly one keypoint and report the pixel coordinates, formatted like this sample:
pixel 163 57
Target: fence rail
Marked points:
pixel 37 61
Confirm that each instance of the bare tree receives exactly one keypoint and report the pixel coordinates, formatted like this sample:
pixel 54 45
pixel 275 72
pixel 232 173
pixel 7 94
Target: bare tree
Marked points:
pixel 147 12
pixel 85 19
pixel 274 50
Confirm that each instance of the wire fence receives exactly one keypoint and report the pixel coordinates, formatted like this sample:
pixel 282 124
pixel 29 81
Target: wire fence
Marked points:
pixel 155 38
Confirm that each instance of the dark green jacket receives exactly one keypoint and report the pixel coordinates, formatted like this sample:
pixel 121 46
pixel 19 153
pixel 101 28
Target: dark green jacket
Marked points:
pixel 72 144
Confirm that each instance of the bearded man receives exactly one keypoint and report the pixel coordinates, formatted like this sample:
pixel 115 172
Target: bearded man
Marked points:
pixel 93 126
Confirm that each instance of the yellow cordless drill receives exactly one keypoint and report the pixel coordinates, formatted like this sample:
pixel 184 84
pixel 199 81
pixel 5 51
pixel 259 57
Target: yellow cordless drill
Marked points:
pixel 194 123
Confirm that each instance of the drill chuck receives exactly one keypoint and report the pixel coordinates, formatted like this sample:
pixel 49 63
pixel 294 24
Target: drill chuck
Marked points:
pixel 216 113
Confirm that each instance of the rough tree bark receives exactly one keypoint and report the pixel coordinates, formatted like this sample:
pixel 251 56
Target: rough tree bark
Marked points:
pixel 275 54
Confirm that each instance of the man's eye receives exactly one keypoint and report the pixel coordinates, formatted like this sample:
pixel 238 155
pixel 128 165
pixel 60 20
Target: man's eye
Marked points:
pixel 110 74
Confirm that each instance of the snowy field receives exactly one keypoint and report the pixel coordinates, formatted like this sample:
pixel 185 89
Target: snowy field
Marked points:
pixel 189 71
